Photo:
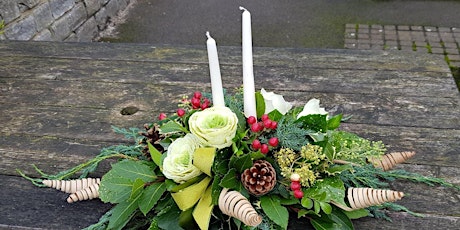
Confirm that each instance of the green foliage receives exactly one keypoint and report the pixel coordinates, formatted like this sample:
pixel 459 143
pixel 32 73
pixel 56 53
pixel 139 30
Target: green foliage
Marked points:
pixel 274 210
pixel 350 147
pixel 291 134
pixel 260 104
pixel 370 176
pixel 309 147
pixel 337 219
pixel 121 181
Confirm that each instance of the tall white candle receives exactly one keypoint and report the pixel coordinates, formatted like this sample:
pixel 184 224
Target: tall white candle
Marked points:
pixel 248 74
pixel 214 72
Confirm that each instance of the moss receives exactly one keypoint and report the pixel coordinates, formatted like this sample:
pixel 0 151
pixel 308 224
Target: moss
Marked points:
pixel 456 74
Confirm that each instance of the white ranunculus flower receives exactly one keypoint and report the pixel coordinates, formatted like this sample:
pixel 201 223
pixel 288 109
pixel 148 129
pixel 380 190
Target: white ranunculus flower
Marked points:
pixel 177 164
pixel 275 101
pixel 312 107
pixel 215 126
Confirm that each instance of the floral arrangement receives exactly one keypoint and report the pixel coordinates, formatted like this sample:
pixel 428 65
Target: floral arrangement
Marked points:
pixel 211 167
pixel 242 160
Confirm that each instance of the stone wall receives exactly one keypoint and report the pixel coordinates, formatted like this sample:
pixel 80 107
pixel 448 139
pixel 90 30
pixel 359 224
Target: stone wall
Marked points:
pixel 57 20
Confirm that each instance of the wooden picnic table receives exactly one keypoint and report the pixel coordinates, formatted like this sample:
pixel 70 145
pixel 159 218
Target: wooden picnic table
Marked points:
pixel 59 101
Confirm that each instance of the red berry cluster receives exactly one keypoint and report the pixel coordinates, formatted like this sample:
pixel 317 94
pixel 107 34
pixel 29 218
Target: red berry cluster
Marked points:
pixel 295 186
pixel 265 123
pixel 199 102
pixel 259 126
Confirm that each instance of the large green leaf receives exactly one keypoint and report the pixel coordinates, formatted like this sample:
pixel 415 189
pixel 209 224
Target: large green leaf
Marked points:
pixel 172 127
pixel 151 196
pixel 334 122
pixel 274 210
pixel 115 189
pixel 260 102
pixel 122 213
pixel 154 154
pixel 337 220
pixel 340 218
pixel 320 224
pixel 356 214
pixel 330 188
pixel 117 184
pixel 137 188
pixel 170 218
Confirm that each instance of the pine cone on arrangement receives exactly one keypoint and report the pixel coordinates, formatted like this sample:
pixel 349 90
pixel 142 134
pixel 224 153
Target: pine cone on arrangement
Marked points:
pixel 151 135
pixel 260 178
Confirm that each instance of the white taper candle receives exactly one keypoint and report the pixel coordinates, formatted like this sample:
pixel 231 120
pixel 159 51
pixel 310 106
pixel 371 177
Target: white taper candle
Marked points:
pixel 248 74
pixel 214 72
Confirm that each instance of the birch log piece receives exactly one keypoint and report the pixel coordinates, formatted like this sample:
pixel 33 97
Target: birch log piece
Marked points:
pixel 71 186
pixel 388 161
pixel 233 204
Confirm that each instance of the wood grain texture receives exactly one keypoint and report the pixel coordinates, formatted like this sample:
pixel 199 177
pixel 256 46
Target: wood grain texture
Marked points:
pixel 59 101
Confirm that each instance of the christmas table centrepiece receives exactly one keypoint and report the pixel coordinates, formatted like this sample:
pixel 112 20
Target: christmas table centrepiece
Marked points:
pixel 241 160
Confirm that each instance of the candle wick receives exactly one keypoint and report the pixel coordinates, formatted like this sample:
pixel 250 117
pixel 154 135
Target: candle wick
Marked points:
pixel 208 35
pixel 242 8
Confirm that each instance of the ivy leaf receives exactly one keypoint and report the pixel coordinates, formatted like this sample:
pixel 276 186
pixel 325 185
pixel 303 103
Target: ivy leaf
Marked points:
pixel 274 210
pixel 151 196
pixel 316 122
pixel 221 167
pixel 230 180
pixel 275 115
pixel 241 163
pixel 216 189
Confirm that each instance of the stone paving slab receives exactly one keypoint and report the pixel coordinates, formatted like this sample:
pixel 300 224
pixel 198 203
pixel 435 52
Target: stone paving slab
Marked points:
pixel 428 39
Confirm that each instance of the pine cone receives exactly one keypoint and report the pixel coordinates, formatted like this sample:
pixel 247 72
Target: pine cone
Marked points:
pixel 260 178
pixel 151 135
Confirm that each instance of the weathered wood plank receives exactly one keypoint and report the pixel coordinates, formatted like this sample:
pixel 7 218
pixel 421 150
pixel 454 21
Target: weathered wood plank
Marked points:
pixel 266 57
pixel 390 82
pixel 26 100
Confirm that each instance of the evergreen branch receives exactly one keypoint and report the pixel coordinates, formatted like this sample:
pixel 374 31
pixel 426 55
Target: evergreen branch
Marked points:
pixel 368 176
pixel 415 177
